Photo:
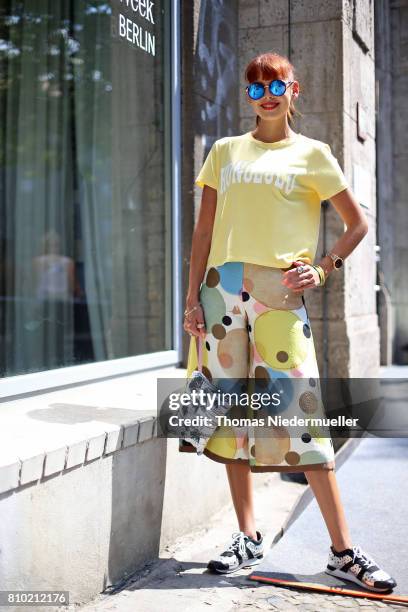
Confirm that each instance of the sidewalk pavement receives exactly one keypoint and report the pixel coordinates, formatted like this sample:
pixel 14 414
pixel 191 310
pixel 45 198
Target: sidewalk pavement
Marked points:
pixel 178 580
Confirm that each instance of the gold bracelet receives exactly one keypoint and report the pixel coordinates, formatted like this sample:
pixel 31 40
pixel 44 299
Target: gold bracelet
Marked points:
pixel 321 273
pixel 187 312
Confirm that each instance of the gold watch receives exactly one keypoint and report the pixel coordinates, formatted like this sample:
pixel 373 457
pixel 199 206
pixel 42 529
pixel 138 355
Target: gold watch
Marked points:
pixel 336 259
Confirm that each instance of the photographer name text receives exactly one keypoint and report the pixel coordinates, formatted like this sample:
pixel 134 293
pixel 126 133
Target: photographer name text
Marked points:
pixel 276 421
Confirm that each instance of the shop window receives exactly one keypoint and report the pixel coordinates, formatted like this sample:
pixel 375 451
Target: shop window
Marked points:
pixel 85 223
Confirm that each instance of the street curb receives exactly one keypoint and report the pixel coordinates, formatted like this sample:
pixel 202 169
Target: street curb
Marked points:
pixel 306 497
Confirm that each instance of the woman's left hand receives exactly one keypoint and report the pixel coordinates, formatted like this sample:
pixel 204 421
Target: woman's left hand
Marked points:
pixel 299 281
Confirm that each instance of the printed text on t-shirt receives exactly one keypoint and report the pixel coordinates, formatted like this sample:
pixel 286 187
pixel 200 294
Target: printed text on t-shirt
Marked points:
pixel 247 172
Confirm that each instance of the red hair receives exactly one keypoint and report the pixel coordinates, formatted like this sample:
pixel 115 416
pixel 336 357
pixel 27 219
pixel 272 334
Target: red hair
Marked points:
pixel 271 66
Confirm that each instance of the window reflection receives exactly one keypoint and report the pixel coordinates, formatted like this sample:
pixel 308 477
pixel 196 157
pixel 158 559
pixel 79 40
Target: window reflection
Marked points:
pixel 84 225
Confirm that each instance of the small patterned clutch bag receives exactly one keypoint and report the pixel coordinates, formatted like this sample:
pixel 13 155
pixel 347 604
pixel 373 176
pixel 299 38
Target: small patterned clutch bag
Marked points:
pixel 204 413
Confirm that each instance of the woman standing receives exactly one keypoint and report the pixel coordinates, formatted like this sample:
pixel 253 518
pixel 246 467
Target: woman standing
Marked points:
pixel 252 253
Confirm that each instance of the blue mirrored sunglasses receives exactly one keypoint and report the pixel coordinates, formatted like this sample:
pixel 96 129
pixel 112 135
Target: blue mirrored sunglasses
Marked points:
pixel 256 91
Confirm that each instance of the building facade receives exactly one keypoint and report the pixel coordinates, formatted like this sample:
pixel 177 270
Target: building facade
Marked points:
pixel 108 109
pixel 103 134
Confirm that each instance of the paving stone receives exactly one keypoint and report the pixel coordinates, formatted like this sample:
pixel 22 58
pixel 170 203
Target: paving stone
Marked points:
pixel 114 440
pixel 9 474
pixel 274 600
pixel 32 468
pixel 76 454
pixel 55 461
pixel 130 434
pixel 95 447
pixel 145 429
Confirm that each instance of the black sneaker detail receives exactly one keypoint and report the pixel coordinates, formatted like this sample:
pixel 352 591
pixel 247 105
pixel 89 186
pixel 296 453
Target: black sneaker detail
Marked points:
pixel 242 552
pixel 355 565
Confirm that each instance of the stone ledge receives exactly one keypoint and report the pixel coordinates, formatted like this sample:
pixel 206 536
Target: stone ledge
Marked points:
pixel 19 470
pixel 46 435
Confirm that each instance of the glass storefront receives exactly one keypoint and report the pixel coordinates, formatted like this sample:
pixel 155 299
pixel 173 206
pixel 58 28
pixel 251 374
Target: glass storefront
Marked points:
pixel 85 183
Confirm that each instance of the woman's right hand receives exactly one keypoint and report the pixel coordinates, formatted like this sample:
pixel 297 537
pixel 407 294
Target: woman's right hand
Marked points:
pixel 194 320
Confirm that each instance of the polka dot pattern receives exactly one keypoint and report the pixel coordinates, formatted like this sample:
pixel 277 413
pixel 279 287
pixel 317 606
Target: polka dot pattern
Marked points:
pixel 232 345
pixel 231 277
pixel 312 457
pixel 259 340
pixel 213 305
pixel 280 340
pixel 223 443
pixel 308 402
pixel 272 444
pixel 212 277
pixel 265 286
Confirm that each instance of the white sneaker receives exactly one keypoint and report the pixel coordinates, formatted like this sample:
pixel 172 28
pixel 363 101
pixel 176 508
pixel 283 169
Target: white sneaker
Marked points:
pixel 354 565
pixel 242 552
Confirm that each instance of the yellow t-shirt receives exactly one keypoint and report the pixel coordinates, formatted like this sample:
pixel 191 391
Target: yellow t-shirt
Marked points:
pixel 269 197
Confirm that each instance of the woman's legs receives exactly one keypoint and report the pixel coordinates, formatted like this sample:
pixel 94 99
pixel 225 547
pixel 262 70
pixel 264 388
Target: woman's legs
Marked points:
pixel 240 482
pixel 324 486
pixel 326 491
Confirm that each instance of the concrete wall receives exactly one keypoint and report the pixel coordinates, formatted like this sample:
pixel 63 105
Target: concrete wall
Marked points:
pixel 385 172
pixel 94 524
pixel 391 37
pixel 399 49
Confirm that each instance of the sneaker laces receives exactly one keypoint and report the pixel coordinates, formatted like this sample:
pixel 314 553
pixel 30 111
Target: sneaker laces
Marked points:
pixel 237 544
pixel 364 559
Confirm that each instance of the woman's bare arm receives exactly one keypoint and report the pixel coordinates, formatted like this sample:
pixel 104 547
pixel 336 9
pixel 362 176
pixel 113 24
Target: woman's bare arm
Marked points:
pixel 200 249
pixel 357 227
pixel 353 216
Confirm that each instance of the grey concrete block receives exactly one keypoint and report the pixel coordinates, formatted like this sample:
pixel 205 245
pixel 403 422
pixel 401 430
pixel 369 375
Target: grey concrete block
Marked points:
pixel 361 268
pixel 399 20
pixel 359 81
pixel 319 44
pixel 154 432
pixel 273 12
pixel 130 435
pixel 248 13
pixel 348 10
pixel 9 475
pixel 364 337
pixel 401 333
pixel 334 293
pixel 329 130
pixel 95 447
pixel 253 41
pixel 32 468
pixel 317 10
pixel 401 289
pixel 114 441
pixel 55 461
pixel 400 203
pixel 363 24
pixel 145 429
pixel 400 127
pixel 76 454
